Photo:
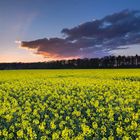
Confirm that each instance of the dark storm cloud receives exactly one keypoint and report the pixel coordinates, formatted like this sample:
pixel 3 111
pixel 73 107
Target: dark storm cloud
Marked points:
pixel 92 38
pixel 111 26
pixel 53 48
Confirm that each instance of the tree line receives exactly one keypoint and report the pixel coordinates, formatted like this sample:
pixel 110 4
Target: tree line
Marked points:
pixel 86 63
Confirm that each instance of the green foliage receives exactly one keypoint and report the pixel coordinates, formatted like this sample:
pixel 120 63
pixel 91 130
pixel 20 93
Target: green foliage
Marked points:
pixel 70 104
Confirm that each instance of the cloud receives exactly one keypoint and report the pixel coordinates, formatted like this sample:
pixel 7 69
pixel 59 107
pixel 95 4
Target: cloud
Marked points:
pixel 91 39
pixel 53 48
pixel 18 42
pixel 111 26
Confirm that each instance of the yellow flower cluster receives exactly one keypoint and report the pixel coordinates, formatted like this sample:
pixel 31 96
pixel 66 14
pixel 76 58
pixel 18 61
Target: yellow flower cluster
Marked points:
pixel 70 104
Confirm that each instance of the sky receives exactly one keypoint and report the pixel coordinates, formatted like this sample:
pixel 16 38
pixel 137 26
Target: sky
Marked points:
pixel 43 30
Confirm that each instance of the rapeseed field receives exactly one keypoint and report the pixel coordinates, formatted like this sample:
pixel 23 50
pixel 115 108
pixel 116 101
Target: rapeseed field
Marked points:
pixel 70 104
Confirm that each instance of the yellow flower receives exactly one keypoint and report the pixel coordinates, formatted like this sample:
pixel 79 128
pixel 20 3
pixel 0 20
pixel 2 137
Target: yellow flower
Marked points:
pixel 119 131
pixel 52 125
pixel 110 138
pixel 20 133
pixel 94 125
pixel 96 104
pixel 55 136
pixel 86 129
pixel 5 132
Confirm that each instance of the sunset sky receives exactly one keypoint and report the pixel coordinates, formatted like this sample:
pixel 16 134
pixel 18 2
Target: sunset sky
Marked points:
pixel 42 30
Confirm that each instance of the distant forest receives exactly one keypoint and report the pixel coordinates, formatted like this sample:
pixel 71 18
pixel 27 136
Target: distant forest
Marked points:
pixel 86 63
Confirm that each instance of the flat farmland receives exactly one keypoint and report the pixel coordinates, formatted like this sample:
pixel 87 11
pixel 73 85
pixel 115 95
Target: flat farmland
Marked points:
pixel 99 104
